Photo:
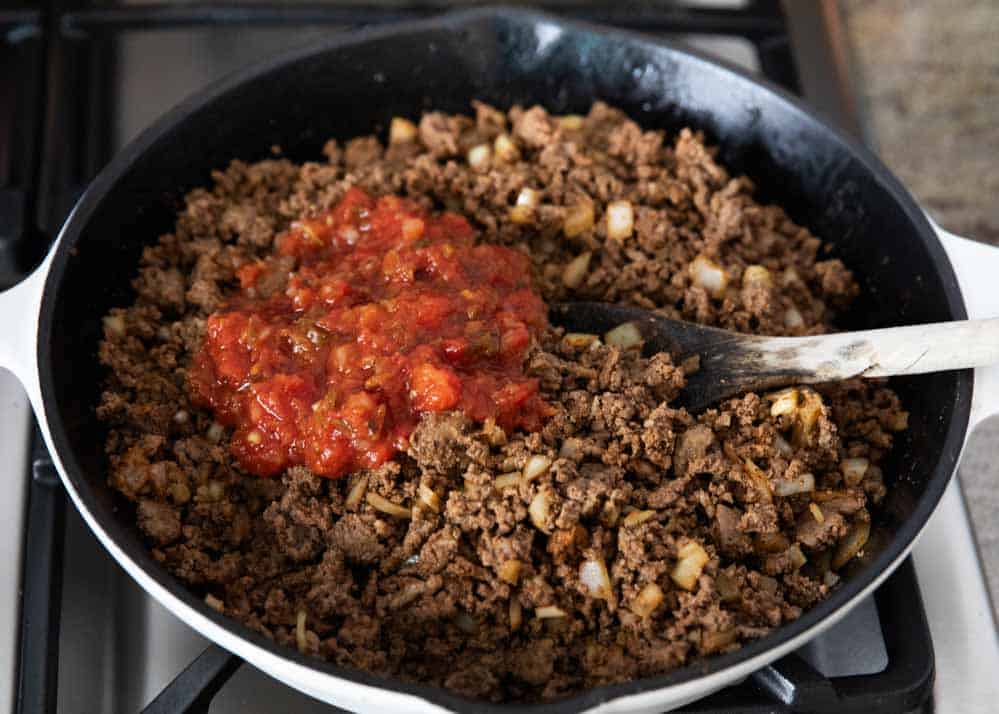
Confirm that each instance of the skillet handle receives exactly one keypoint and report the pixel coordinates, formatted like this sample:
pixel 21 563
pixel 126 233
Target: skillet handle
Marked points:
pixel 19 310
pixel 977 268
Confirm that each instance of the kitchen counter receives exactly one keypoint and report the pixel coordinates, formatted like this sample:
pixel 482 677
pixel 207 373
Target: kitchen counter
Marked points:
pixel 927 73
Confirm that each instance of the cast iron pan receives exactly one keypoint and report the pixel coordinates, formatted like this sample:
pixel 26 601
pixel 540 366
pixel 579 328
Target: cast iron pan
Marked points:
pixel 354 84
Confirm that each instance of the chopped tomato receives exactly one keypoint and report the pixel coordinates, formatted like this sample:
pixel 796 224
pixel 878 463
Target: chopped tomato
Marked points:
pixel 389 312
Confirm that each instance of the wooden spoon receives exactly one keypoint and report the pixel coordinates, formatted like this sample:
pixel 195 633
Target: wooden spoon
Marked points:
pixel 731 362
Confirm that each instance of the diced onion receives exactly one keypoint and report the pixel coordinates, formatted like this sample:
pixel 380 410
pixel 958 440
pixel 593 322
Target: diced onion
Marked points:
pixel 854 470
pixel 727 587
pixel 576 269
pixel 255 437
pixel 356 493
pixel 796 557
pixel 578 219
pixel 181 417
pixel 300 631
pixel 571 122
pixel 817 513
pixel 756 275
pixel 509 571
pixel 536 467
pixel 516 614
pixel 401 130
pixel 690 563
pixel 115 325
pixel 505 148
pixel 550 612
pixel 713 641
pixel 479 157
pixel 852 543
pixel 625 336
pixel 539 510
pixel 579 340
pixel 507 480
pixel 784 402
pixel 793 318
pixel 593 574
pixel 523 211
pixel 620 220
pixel 804 483
pixel 214 603
pixel 899 421
pixel 648 599
pixel 708 275
pixel 637 518
pixel 386 506
pixel 430 498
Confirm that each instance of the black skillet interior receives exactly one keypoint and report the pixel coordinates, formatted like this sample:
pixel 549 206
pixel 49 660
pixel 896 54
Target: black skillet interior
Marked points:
pixel 355 85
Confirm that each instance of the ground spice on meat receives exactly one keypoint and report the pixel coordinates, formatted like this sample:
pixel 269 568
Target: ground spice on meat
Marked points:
pixel 625 537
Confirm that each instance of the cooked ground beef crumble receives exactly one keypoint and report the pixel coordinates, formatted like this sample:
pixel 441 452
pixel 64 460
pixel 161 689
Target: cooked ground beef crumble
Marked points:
pixel 626 537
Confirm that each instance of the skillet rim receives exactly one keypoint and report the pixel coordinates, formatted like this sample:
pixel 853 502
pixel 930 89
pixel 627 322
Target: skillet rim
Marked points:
pixel 133 550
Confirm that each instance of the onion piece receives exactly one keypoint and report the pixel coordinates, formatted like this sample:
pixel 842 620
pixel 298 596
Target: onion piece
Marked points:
pixel 620 220
pixel 550 612
pixel 215 432
pixel 756 275
pixel 509 571
pixel 637 518
pixel 784 402
pixel 539 510
pixel 523 211
pixel 817 513
pixel 300 631
pixel 115 325
pixel 648 599
pixel 803 483
pixel 516 614
pixel 572 448
pixel 430 498
pixel 536 466
pixel 479 157
pixel 580 340
pixel 793 319
pixel 356 493
pixel 576 269
pixel 708 275
pixel 593 574
pixel 379 503
pixel 578 219
pixel 854 470
pixel 507 480
pixel 716 640
pixel 214 603
pixel 571 122
pixel 402 130
pixel 690 564
pixel 853 542
pixel 505 149
pixel 796 557
pixel 625 336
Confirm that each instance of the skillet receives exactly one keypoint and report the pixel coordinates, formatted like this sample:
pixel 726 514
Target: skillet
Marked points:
pixel 350 85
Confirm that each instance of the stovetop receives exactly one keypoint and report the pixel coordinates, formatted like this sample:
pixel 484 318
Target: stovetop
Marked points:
pixel 76 83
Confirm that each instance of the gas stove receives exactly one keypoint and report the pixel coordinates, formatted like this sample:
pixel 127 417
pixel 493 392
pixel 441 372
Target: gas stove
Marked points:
pixel 78 81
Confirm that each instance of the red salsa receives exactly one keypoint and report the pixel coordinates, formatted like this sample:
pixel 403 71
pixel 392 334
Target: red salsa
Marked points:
pixel 389 312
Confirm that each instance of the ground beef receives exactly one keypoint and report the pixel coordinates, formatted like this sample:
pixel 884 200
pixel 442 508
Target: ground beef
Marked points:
pixel 483 581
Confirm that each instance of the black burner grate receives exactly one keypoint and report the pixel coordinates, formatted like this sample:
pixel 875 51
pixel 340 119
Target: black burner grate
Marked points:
pixel 57 111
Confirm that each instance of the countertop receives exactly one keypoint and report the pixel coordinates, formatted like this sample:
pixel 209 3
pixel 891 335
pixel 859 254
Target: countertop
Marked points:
pixel 927 73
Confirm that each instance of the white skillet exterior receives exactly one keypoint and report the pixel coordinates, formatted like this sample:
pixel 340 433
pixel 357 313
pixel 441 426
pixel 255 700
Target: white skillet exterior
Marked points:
pixel 976 266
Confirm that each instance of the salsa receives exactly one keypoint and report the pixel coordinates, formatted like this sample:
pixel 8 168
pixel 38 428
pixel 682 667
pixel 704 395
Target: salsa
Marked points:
pixel 387 312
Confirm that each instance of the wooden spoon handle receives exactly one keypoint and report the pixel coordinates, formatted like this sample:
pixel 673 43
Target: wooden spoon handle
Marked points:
pixel 914 349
